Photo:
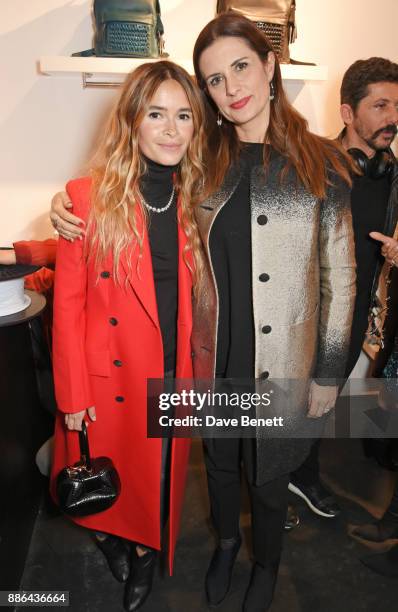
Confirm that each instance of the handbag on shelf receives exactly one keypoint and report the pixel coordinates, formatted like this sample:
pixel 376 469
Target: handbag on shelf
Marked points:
pixel 127 28
pixel 277 19
pixel 90 485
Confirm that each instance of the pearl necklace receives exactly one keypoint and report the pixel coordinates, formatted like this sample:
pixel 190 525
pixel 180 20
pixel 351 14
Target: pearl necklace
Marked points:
pixel 159 210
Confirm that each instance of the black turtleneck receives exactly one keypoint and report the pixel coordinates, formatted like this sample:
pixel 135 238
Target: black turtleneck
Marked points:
pixel 156 187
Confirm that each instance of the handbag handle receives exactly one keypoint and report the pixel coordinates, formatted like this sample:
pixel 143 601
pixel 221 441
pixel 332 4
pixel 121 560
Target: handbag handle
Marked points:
pixel 84 446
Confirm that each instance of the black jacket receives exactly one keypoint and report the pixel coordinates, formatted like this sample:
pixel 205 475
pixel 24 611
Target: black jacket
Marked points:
pixel 391 221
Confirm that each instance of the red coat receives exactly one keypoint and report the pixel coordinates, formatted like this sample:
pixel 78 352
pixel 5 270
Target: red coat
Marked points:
pixel 95 323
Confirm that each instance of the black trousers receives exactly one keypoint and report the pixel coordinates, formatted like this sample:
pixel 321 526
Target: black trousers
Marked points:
pixel 223 458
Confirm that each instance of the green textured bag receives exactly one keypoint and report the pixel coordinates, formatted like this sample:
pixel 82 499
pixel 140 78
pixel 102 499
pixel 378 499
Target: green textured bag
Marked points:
pixel 127 28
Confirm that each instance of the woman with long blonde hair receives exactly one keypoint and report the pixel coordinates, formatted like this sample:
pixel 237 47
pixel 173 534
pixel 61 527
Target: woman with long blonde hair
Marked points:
pixel 122 311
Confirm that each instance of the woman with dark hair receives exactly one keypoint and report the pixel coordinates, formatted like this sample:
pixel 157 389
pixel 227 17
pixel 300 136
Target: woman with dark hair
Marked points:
pixel 123 312
pixel 278 280
pixel 279 277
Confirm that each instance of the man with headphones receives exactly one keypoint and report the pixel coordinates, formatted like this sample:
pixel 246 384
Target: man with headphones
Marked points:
pixel 369 109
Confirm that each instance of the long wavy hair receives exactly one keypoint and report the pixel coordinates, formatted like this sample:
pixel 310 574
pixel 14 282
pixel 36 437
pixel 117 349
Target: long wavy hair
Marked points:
pixel 313 157
pixel 118 165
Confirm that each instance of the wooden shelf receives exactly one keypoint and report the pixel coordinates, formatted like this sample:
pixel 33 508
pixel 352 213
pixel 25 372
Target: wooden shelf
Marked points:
pixel 114 69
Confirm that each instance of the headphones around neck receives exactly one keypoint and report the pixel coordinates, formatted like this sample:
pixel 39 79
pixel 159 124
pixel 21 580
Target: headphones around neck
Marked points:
pixel 376 167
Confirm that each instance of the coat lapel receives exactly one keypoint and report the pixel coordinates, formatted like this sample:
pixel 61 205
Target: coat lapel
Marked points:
pixel 184 276
pixel 207 211
pixel 139 272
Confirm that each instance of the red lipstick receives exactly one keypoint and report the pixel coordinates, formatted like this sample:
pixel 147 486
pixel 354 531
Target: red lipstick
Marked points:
pixel 240 103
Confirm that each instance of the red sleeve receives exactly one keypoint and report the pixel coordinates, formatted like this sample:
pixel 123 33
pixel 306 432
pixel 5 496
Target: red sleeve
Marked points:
pixel 40 281
pixel 36 252
pixel 72 384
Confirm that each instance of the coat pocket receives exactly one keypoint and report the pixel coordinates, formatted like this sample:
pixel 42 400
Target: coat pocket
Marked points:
pixel 98 363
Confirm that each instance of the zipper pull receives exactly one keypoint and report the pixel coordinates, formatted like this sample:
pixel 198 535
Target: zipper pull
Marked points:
pixel 292 31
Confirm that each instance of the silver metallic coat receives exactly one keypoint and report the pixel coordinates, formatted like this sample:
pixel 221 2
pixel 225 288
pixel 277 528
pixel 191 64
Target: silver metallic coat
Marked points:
pixel 305 249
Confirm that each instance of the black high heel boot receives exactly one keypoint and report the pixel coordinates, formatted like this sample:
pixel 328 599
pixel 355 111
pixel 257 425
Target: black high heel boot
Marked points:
pixel 139 584
pixel 218 577
pixel 117 554
pixel 260 592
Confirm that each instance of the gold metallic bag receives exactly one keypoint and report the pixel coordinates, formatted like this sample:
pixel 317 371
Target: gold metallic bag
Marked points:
pixel 277 18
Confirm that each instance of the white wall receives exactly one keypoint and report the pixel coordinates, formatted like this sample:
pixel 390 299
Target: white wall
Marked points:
pixel 48 124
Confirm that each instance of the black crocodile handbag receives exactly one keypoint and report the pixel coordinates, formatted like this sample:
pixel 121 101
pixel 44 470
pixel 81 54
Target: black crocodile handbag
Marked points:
pixel 90 485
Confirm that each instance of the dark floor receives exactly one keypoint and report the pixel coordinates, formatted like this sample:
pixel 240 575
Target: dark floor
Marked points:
pixel 320 569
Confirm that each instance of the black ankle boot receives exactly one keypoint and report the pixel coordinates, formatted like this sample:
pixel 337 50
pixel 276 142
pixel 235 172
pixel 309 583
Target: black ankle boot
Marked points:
pixel 218 577
pixel 139 584
pixel 117 554
pixel 260 592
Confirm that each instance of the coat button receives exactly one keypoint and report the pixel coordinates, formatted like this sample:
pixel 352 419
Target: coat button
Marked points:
pixel 264 277
pixel 105 274
pixel 264 375
pixel 113 321
pixel 262 220
pixel 119 398
pixel 266 329
pixel 117 363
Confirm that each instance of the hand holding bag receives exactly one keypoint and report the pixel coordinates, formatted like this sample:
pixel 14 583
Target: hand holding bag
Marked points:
pixel 90 485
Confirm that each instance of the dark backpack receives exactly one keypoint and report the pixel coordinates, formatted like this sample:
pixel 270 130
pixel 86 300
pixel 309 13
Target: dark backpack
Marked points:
pixel 127 28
